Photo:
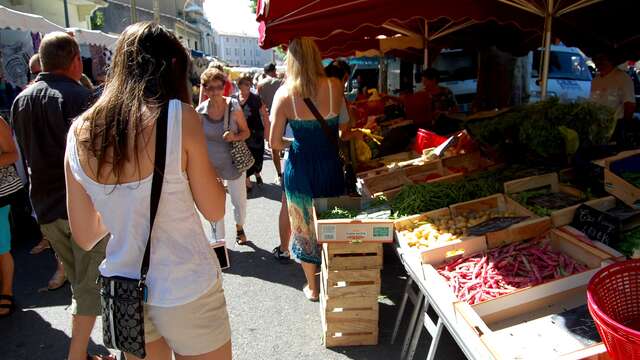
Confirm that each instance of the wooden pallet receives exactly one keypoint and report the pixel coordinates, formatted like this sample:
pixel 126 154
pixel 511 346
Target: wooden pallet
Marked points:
pixel 349 290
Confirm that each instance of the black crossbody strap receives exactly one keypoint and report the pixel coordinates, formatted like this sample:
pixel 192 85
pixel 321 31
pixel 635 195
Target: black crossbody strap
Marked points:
pixel 325 126
pixel 156 182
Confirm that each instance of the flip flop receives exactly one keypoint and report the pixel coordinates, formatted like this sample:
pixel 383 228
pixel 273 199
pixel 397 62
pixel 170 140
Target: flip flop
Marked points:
pixel 42 246
pixel 11 306
pixel 101 357
pixel 57 281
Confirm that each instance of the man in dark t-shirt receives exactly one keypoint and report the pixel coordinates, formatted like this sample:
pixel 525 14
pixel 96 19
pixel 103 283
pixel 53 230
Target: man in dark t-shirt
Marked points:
pixel 41 116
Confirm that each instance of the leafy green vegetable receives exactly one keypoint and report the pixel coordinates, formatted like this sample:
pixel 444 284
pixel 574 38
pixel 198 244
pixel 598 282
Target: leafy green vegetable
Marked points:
pixel 537 128
pixel 337 213
pixel 632 177
pixel 629 242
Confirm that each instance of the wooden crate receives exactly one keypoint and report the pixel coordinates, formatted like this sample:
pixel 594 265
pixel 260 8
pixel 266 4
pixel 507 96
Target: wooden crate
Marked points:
pixel 389 163
pixel 356 256
pixel 520 231
pixel 349 290
pixel 558 217
pixel 440 253
pixel 389 185
pixel 500 323
pixel 473 244
pixel 617 186
pixel 397 178
pixel 349 230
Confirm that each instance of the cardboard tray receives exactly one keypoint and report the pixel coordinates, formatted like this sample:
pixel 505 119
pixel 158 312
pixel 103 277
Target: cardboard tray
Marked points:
pixel 473 244
pixel 558 217
pixel 349 230
pixel 499 322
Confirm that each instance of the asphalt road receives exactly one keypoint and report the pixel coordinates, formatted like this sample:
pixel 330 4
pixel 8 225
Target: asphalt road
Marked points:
pixel 270 317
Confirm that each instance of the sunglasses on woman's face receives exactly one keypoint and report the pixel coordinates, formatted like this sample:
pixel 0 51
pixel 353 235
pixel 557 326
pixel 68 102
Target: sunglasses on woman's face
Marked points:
pixel 213 87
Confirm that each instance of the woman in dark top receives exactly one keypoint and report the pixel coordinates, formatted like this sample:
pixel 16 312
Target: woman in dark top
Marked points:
pixel 258 121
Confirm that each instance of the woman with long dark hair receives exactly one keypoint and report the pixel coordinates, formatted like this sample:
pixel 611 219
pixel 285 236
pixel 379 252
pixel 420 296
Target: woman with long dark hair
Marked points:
pixel 109 165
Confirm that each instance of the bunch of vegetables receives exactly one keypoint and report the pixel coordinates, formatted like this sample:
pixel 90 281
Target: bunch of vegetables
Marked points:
pixel 503 270
pixel 338 213
pixel 420 198
pixel 440 230
pixel 630 243
pixel 548 129
pixel 377 208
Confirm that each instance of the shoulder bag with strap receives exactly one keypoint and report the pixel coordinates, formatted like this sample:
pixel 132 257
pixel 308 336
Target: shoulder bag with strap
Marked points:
pixel 122 298
pixel 349 174
pixel 241 156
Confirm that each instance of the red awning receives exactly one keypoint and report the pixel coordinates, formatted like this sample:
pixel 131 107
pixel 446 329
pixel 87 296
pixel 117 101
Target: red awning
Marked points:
pixel 282 20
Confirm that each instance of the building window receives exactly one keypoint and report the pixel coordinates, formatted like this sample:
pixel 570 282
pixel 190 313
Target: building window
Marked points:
pixel 244 52
pixel 196 44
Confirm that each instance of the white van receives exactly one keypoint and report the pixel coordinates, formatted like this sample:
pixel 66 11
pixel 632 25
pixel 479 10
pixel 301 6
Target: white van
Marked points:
pixel 569 75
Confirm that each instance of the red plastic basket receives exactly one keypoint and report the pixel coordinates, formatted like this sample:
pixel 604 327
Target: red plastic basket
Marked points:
pixel 426 139
pixel 613 296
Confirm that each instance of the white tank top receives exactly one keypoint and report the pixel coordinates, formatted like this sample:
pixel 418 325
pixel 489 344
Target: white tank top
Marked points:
pixel 182 266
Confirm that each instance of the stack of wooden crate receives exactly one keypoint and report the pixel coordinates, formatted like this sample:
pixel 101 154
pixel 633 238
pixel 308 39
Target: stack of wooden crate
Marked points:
pixel 349 291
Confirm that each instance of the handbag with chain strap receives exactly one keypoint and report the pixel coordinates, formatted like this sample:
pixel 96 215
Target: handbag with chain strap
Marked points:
pixel 241 156
pixel 122 298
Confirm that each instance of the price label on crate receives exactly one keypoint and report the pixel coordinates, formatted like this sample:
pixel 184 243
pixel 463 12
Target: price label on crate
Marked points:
pixel 597 225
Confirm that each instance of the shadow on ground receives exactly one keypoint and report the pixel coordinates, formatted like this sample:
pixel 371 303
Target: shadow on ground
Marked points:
pixel 39 340
pixel 259 264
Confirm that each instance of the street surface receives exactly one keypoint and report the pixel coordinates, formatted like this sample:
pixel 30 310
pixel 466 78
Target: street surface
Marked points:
pixel 270 317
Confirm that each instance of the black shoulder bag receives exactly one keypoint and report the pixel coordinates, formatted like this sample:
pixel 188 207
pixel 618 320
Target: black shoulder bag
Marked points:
pixel 122 298
pixel 348 173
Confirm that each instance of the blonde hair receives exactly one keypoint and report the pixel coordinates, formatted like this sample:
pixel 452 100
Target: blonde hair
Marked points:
pixel 304 67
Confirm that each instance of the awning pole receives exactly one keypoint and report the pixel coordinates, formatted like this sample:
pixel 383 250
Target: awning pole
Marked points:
pixel 547 49
pixel 426 45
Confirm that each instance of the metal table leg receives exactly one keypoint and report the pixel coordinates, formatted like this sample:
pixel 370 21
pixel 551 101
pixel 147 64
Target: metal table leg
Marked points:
pixel 403 304
pixel 415 337
pixel 436 340
pixel 413 323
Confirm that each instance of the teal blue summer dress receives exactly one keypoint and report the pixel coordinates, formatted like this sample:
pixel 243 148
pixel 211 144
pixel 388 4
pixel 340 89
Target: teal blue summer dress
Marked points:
pixel 313 170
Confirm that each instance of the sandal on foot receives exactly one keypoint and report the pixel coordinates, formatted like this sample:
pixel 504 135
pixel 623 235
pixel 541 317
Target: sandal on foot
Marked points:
pixel 11 306
pixel 241 238
pixel 42 246
pixel 309 294
pixel 57 281
pixel 101 357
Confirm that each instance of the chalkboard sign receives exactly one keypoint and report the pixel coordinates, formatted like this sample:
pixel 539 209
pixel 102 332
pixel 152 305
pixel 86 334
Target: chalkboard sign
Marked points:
pixel 597 225
pixel 495 224
pixel 579 323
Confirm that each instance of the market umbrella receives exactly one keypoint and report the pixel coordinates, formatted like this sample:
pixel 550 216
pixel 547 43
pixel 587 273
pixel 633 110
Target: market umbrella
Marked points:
pixel 282 20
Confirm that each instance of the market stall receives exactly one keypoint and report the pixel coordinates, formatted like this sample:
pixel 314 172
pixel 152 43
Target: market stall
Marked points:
pixel 496 223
